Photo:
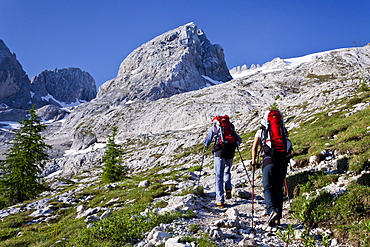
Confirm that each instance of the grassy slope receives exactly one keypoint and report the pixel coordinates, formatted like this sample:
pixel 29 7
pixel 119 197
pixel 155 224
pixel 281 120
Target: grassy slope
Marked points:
pixel 348 214
pixel 348 135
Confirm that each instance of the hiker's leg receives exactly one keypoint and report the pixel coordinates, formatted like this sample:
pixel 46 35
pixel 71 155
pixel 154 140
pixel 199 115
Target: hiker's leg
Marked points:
pixel 268 188
pixel 280 172
pixel 219 164
pixel 227 178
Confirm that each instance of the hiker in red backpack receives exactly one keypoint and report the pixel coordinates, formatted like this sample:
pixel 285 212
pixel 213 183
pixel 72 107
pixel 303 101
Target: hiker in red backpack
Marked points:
pixel 225 142
pixel 275 149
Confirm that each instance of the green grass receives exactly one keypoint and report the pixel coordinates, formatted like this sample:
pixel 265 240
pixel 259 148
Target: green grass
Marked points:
pixel 348 214
pixel 123 228
pixel 348 135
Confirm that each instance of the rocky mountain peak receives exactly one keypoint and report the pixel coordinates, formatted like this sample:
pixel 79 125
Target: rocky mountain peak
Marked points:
pixel 177 61
pixel 62 87
pixel 14 82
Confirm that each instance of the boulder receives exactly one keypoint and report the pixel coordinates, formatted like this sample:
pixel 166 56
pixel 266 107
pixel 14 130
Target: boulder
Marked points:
pixel 83 138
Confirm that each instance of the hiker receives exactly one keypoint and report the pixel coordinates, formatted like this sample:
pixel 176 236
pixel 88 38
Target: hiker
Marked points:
pixel 225 142
pixel 275 148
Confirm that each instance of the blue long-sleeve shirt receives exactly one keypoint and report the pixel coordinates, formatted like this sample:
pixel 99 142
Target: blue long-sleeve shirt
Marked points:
pixel 213 131
pixel 218 150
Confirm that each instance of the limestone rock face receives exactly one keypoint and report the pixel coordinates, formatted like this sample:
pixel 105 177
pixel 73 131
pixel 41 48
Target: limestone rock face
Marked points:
pixel 177 61
pixel 14 82
pixel 62 87
pixel 83 138
pixel 52 112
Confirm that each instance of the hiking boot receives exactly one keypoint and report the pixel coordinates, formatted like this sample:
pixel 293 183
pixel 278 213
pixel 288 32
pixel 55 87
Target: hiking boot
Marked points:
pixel 220 205
pixel 228 194
pixel 273 219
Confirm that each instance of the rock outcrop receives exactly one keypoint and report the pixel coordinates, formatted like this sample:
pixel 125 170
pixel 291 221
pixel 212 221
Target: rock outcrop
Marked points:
pixel 177 61
pixel 52 112
pixel 14 82
pixel 62 87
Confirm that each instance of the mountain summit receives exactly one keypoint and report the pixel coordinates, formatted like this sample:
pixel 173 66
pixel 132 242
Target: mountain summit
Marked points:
pixel 178 61
pixel 62 87
pixel 14 82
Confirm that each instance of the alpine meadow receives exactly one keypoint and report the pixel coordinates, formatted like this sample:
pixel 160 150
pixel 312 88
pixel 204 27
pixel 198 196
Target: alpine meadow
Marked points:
pixel 126 165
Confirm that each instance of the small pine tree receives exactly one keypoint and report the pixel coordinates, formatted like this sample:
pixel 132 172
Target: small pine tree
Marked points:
pixel 24 162
pixel 113 170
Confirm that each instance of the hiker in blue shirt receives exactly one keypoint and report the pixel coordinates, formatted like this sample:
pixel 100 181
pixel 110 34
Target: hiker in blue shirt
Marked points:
pixel 226 141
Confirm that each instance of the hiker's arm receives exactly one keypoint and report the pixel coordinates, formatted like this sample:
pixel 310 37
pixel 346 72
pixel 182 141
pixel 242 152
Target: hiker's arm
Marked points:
pixel 209 137
pixel 239 139
pixel 255 150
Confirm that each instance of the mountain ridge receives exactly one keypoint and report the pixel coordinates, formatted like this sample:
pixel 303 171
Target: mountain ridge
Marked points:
pixel 18 93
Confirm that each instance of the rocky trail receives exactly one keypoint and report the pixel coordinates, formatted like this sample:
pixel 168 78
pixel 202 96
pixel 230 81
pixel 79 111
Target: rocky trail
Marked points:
pixel 232 225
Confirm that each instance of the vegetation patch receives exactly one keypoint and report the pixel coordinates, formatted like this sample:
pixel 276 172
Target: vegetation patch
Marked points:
pixel 348 215
pixel 348 135
pixel 123 229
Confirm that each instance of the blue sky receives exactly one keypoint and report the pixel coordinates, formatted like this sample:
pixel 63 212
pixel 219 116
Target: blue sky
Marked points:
pixel 96 35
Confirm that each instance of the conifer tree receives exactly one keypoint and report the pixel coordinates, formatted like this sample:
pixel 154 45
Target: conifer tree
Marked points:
pixel 20 179
pixel 113 170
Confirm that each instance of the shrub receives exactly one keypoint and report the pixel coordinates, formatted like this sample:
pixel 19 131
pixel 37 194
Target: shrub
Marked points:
pixel 122 229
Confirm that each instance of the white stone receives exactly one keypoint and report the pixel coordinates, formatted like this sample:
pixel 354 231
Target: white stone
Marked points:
pixel 174 242
pixel 188 202
pixel 106 214
pixel 232 214
pixel 144 183
pixel 159 237
pixel 80 208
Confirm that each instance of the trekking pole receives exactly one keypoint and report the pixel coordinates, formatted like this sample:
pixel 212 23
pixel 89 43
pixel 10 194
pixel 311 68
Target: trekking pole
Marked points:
pixel 201 165
pixel 287 192
pixel 245 169
pixel 253 169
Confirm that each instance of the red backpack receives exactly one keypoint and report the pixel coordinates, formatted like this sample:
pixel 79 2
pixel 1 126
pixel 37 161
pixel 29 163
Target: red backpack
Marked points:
pixel 227 133
pixel 275 137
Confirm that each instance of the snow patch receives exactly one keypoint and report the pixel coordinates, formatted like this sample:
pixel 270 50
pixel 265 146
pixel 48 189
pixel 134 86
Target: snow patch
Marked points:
pixel 89 149
pixel 214 82
pixel 62 104
pixel 130 102
pixel 9 125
